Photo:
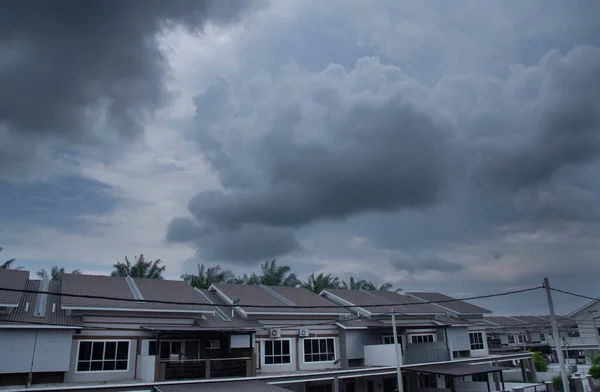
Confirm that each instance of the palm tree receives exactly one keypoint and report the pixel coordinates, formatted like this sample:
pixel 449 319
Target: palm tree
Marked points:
pixel 322 282
pixel 55 273
pixel 275 275
pixel 207 276
pixel 355 284
pixel 8 263
pixel 384 287
pixel 139 268
pixel 244 279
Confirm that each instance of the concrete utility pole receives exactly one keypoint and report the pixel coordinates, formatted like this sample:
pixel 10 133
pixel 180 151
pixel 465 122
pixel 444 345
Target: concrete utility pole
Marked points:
pixel 398 354
pixel 557 339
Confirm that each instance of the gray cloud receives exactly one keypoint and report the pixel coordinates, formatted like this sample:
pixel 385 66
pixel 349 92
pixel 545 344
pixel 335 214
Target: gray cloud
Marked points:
pixel 426 263
pixel 88 72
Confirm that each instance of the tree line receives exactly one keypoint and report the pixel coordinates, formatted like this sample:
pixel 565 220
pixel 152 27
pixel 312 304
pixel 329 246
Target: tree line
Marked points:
pixel 270 274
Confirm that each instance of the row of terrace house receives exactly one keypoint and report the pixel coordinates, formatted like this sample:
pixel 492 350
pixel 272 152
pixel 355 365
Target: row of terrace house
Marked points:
pixel 103 331
pixel 579 337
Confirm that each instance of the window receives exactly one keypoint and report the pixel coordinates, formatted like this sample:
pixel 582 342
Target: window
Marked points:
pixel 213 344
pixel 277 352
pixel 319 350
pixel 520 338
pixel 425 338
pixel 481 377
pixel 99 356
pixel 542 337
pixel 476 339
pixel 390 340
pixel 511 339
pixel 427 380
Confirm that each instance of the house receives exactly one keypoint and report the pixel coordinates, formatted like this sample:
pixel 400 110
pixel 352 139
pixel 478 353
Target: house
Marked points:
pixel 36 335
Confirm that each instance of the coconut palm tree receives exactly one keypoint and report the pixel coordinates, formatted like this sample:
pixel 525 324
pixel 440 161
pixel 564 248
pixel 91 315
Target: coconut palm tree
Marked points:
pixel 275 275
pixel 207 276
pixel 355 284
pixel 140 268
pixel 384 287
pixel 55 273
pixel 8 263
pixel 322 282
pixel 244 279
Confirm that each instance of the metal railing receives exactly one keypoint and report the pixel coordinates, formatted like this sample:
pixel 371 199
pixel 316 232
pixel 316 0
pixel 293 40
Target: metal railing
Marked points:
pixel 188 369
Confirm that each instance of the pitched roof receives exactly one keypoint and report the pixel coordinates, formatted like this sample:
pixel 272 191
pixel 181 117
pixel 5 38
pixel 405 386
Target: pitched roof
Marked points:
pixel 378 302
pixel 457 306
pixel 12 279
pixel 50 315
pixel 283 299
pixel 222 386
pixel 118 287
pixel 505 321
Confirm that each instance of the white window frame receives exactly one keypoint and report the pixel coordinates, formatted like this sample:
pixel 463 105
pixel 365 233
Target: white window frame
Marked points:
pixel 304 354
pixel 104 341
pixel 511 337
pixel 425 337
pixel 210 344
pixel 521 338
pixel 477 343
pixel 542 337
pixel 264 353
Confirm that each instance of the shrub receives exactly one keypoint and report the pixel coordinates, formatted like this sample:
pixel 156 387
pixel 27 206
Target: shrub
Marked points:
pixel 540 363
pixel 557 382
pixel 595 372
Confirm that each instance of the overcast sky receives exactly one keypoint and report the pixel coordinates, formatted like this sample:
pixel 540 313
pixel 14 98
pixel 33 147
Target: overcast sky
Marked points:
pixel 447 146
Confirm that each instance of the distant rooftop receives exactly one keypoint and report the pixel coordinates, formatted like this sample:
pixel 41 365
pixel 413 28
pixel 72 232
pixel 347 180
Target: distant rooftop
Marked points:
pixel 445 301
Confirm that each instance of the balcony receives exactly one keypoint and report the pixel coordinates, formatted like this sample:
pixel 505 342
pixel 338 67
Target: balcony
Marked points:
pixel 385 354
pixel 205 368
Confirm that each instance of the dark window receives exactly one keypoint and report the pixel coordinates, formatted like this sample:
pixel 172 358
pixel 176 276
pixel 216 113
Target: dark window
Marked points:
pixel 425 338
pixel 511 339
pixel 427 380
pixel 102 356
pixel 152 347
pixel 319 350
pixel 481 377
pixel 277 352
pixel 476 339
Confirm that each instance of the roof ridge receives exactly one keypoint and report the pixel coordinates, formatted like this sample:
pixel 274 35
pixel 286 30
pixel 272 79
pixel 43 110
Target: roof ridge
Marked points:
pixel 277 295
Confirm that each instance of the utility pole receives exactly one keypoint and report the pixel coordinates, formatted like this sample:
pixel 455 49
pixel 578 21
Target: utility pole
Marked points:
pixel 557 339
pixel 398 354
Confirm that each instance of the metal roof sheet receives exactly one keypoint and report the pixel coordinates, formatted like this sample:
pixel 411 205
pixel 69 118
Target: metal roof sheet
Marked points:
pixel 456 369
pixel 381 301
pixel 117 287
pixel 12 279
pixel 458 306
pixel 222 386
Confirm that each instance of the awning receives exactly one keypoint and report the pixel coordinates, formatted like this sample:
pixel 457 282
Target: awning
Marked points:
pixel 222 386
pixel 193 328
pixel 456 369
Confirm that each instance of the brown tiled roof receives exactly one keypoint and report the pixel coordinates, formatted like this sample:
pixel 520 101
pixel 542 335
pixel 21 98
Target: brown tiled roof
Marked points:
pixel 117 287
pixel 12 279
pixel 368 300
pixel 458 306
pixel 53 314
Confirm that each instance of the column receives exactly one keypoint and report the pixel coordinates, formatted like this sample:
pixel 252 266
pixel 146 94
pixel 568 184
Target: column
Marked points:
pixel 523 370
pixel 336 384
pixel 532 371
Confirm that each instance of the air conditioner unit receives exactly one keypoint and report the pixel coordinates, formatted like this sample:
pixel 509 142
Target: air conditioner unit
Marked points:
pixel 275 333
pixel 304 333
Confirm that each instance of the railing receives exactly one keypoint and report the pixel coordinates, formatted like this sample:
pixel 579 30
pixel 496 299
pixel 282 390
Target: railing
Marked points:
pixel 426 352
pixel 206 368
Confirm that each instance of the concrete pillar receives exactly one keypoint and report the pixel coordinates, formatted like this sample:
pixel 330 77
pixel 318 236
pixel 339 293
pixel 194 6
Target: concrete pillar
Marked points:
pixel 207 369
pixel 549 386
pixel 496 378
pixel 523 370
pixel 336 384
pixel 532 371
pixel 578 385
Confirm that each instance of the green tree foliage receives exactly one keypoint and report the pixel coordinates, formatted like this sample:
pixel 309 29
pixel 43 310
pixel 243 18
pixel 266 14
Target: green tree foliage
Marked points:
pixel 361 284
pixel 8 264
pixel 207 276
pixel 595 372
pixel 274 275
pixel 318 283
pixel 55 273
pixel 540 363
pixel 140 268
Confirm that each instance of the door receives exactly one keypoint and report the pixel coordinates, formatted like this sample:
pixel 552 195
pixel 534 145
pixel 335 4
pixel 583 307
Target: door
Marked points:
pixel 389 384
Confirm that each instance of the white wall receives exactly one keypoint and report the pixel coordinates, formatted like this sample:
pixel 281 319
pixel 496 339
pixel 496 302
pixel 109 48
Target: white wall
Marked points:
pixel 146 367
pixel 380 355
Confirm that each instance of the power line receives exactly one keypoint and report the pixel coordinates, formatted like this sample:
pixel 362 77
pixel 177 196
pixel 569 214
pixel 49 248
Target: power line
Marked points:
pixel 574 294
pixel 88 296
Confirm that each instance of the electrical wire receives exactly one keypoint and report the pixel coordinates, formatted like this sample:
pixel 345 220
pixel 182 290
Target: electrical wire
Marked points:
pixel 271 306
pixel 574 294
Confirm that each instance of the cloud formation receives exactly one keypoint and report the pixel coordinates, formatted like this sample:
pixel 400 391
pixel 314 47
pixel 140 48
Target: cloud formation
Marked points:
pixel 76 72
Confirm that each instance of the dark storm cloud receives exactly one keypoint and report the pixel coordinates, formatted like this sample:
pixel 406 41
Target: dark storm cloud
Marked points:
pixel 66 64
pixel 426 263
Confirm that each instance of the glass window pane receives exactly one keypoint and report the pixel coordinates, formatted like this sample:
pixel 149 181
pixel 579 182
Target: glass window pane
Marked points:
pixel 323 346
pixel 286 359
pixel 269 360
pixel 175 347
pixel 306 346
pixel 121 365
pixel 109 365
pixel 315 346
pixel 307 358
pixel 277 347
pixel 286 347
pixel 83 366
pixel 165 349
pixel 152 347
pixel 97 350
pixel 123 350
pixel 277 359
pixel 85 351
pixel 269 348
pixel 330 346
pixel 110 351
pixel 96 365
pixel 323 357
